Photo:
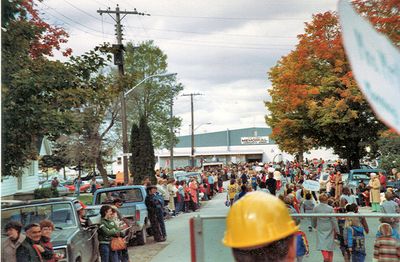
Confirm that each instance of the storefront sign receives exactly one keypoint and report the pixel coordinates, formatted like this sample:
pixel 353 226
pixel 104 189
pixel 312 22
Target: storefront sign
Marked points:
pixel 254 140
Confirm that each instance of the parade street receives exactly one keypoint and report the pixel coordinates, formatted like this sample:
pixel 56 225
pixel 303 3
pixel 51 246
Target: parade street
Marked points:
pixel 177 246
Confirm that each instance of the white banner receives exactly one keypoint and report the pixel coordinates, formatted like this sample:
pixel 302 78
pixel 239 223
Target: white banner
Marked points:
pixel 311 185
pixel 375 63
pixel 254 140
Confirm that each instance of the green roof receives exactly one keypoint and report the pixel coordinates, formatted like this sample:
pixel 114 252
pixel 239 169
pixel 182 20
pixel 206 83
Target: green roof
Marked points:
pixel 224 138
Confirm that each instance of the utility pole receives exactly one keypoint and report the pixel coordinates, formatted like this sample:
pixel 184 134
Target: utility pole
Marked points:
pixel 171 127
pixel 119 60
pixel 192 125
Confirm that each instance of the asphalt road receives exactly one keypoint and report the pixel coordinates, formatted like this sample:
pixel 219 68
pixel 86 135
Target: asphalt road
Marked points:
pixel 177 247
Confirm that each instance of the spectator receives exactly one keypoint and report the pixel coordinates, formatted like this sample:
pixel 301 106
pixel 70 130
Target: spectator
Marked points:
pixel 347 197
pixel 77 185
pixel 386 247
pixel 271 183
pixel 232 190
pixel 355 239
pixel 307 206
pixel 239 195
pixel 93 185
pixel 263 187
pixel 338 184
pixel 193 194
pixel 30 249
pixel 107 230
pixel 391 207
pixel 382 180
pixel 278 178
pixel 47 228
pixel 13 241
pixel 211 183
pixel 375 196
pixel 326 228
pixel 54 183
pixel 172 190
pixel 155 207
pixel 267 212
pixel 302 247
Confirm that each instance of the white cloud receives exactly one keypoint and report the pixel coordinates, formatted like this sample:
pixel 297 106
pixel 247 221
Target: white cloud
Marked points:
pixel 226 56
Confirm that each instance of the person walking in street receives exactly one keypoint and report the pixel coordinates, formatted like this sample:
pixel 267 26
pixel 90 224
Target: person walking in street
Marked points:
pixel 14 240
pixel 326 228
pixel 269 235
pixel 386 247
pixel 302 247
pixel 30 249
pixel 271 183
pixel 154 206
pixel 77 185
pixel 193 194
pixel 211 183
pixel 307 207
pixel 107 230
pixel 232 190
pixel 355 239
pixel 390 207
pixel 375 193
pixel 239 195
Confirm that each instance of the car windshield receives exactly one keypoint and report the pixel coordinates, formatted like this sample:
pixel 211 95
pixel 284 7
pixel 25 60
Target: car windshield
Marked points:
pixel 361 176
pixel 61 214
pixel 126 195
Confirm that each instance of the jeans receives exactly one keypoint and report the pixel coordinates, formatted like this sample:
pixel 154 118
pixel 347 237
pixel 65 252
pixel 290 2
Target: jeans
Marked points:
pixel 106 254
pixel 357 256
pixel 77 191
pixel 160 218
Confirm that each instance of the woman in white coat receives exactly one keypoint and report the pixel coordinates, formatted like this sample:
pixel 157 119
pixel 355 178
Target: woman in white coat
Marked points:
pixel 326 228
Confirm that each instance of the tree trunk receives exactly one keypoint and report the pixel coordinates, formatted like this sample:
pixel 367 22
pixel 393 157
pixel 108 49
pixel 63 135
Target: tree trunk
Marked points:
pixel 102 170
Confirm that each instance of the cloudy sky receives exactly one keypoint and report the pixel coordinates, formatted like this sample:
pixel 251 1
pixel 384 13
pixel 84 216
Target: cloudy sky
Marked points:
pixel 222 49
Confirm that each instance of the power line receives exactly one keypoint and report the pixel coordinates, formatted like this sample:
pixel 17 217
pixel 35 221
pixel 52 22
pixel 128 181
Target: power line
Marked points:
pixel 87 13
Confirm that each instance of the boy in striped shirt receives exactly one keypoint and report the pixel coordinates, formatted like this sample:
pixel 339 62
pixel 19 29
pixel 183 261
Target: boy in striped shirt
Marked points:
pixel 386 248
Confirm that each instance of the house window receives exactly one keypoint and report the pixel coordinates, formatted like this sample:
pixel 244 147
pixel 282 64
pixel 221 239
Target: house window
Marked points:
pixel 31 168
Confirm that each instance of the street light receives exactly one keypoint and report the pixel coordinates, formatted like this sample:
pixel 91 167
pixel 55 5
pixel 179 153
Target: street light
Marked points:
pixel 125 122
pixel 192 139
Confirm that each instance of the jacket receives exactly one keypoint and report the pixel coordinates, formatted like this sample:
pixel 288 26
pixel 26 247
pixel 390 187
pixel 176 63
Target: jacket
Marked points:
pixel 107 230
pixel 356 238
pixel 9 248
pixel 26 252
pixel 302 247
pixel 48 246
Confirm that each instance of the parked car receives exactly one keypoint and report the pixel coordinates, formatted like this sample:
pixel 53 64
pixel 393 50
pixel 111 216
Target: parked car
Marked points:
pixel 357 175
pixel 133 208
pixel 185 176
pixel 85 186
pixel 70 239
pixel 62 190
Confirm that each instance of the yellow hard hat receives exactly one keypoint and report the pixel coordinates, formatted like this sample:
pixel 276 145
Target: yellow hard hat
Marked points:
pixel 256 220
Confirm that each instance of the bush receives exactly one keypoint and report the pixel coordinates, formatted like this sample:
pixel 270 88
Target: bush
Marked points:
pixel 45 193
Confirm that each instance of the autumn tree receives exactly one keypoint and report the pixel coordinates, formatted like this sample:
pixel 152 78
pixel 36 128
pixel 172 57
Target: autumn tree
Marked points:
pixel 314 94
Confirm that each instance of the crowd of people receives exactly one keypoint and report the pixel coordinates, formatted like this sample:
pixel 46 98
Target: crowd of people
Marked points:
pixel 285 180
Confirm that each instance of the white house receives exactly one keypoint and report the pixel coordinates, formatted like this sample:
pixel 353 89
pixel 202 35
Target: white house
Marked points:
pixel 29 181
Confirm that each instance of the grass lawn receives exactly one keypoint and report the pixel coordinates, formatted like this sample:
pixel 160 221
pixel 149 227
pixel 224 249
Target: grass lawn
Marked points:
pixel 86 199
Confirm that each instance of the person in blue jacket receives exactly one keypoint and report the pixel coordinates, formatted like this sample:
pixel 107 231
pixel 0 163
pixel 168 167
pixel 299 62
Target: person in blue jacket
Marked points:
pixel 355 239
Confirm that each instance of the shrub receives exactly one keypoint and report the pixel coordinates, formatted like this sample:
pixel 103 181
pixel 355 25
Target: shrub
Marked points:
pixel 45 193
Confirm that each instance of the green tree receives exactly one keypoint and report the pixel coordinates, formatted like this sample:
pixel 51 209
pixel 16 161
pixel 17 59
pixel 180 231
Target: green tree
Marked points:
pixel 36 92
pixel 389 147
pixel 152 98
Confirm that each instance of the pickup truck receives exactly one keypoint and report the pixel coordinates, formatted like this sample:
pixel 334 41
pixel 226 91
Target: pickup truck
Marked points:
pixel 133 208
pixel 358 175
pixel 70 239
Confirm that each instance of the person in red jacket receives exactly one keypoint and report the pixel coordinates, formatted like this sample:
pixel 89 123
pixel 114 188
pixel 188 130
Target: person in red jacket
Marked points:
pixel 382 180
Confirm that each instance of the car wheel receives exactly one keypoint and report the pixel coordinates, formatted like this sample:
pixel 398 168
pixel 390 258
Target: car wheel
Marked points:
pixel 88 190
pixel 141 237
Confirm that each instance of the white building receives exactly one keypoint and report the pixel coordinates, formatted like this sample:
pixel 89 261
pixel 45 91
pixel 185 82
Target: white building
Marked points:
pixel 231 146
pixel 29 181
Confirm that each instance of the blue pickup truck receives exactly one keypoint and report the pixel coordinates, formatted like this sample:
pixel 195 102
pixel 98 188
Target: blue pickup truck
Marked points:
pixel 133 208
